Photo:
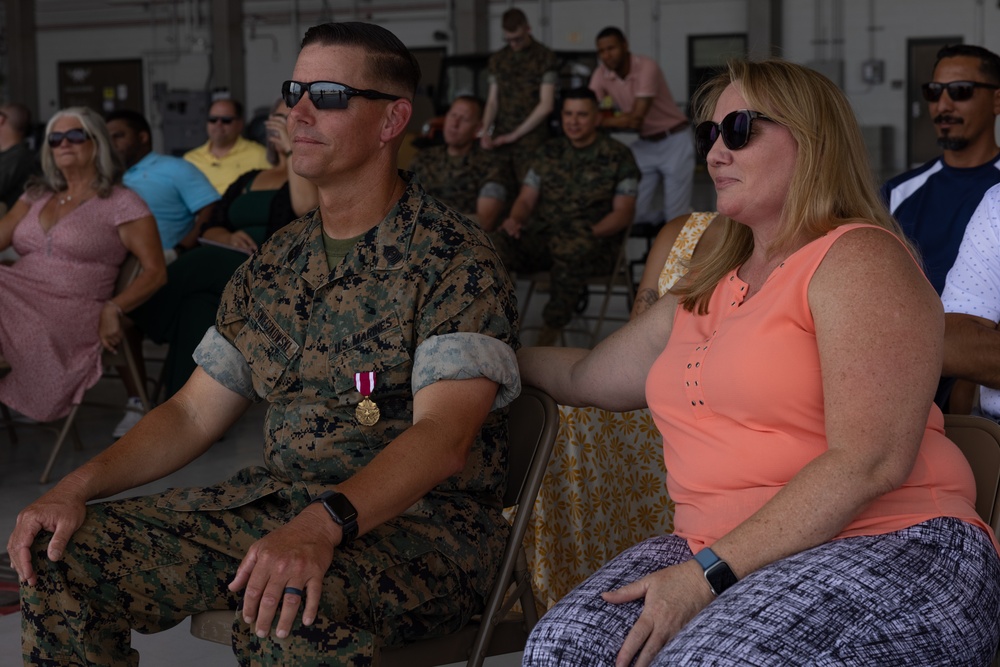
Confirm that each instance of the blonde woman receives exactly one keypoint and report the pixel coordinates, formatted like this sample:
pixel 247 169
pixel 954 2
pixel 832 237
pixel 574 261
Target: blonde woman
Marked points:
pixel 822 517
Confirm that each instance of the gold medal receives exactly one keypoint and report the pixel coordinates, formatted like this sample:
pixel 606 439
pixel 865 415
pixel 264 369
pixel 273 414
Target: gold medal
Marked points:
pixel 367 412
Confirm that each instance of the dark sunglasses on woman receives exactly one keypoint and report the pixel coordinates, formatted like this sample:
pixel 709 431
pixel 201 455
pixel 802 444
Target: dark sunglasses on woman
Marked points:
pixel 327 94
pixel 958 91
pixel 74 136
pixel 735 129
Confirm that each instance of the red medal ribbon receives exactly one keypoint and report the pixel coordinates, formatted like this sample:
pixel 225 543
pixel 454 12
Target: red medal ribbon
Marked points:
pixel 365 382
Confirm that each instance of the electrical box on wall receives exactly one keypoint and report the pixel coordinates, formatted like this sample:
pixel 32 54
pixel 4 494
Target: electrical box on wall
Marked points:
pixel 873 71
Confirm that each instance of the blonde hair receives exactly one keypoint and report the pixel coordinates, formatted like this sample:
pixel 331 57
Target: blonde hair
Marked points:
pixel 108 166
pixel 832 183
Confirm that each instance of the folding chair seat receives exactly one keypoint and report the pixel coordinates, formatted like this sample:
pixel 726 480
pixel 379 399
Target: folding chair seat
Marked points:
pixel 534 422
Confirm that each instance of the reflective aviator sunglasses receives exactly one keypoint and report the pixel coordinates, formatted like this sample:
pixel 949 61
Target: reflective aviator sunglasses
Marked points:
pixel 735 130
pixel 74 136
pixel 327 94
pixel 958 91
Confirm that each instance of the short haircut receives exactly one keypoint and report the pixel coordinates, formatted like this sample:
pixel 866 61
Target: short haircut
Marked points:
pixel 473 100
pixel 133 119
pixel 389 60
pixel 513 19
pixel 18 115
pixel 611 31
pixel 237 106
pixel 989 62
pixel 581 93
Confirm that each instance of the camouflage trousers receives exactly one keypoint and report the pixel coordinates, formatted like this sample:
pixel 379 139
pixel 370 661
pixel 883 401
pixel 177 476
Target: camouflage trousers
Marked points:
pixel 134 565
pixel 569 251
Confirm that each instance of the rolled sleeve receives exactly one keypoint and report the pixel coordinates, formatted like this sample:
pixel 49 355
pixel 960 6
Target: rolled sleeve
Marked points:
pixel 224 363
pixel 467 355
pixel 628 187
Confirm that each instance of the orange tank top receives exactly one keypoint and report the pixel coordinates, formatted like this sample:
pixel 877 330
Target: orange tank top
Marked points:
pixel 737 395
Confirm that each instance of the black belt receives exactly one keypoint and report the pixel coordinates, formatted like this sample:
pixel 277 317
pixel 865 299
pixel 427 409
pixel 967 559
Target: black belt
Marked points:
pixel 660 136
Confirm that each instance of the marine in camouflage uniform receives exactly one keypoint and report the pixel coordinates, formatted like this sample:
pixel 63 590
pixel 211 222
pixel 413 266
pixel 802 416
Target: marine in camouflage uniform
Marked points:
pixel 576 188
pixel 421 298
pixel 519 76
pixel 457 180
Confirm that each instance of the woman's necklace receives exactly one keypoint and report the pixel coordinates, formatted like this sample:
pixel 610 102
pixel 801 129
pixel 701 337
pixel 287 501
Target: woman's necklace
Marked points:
pixel 67 198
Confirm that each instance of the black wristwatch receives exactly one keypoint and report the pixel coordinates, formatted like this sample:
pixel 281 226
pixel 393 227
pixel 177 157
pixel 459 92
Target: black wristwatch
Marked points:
pixel 342 511
pixel 717 571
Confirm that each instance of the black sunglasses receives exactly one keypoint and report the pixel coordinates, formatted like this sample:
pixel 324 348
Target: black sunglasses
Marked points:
pixel 734 128
pixel 327 94
pixel 74 136
pixel 958 91
pixel 225 120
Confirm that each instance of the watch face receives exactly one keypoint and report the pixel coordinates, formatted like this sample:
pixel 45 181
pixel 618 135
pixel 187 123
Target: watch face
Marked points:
pixel 342 507
pixel 720 577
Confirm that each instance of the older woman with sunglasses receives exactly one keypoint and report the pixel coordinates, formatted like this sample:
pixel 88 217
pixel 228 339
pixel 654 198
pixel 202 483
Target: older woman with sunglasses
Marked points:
pixel 73 229
pixel 822 517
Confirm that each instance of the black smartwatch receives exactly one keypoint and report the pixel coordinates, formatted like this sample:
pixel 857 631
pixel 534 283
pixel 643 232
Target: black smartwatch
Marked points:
pixel 342 512
pixel 717 571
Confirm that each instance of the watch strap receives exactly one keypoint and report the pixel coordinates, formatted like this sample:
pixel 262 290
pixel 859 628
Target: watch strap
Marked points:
pixel 342 512
pixel 717 572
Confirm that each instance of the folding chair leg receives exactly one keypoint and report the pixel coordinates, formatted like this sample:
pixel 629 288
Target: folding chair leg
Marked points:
pixel 8 422
pixel 67 425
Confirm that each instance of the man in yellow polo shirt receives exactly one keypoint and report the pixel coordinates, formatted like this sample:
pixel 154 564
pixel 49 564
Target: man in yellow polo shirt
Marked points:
pixel 226 155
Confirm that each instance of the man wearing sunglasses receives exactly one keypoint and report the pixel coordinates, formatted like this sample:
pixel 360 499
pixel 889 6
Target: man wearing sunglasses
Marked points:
pixel 227 154
pixel 379 328
pixel 17 161
pixel 935 201
pixel 664 149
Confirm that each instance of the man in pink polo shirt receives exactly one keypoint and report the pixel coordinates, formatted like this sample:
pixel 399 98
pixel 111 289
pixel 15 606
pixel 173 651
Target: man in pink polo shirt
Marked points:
pixel 664 150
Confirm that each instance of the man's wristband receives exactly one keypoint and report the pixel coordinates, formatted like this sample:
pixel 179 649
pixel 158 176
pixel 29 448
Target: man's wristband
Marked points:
pixel 342 512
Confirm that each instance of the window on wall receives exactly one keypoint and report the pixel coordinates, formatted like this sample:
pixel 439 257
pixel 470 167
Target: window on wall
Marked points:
pixel 707 54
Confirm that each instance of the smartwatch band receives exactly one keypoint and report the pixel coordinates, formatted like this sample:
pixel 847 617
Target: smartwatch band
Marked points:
pixel 718 574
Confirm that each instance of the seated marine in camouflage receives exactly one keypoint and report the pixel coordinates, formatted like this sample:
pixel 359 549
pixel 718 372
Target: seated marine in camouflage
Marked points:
pixel 380 330
pixel 459 172
pixel 570 217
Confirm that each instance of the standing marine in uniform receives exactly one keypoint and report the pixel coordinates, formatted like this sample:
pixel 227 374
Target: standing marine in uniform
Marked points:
pixel 379 329
pixel 522 93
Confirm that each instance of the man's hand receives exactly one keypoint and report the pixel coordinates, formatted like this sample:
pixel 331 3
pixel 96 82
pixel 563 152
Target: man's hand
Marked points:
pixel 672 598
pixel 512 228
pixel 61 512
pixel 486 142
pixel 296 555
pixel 504 139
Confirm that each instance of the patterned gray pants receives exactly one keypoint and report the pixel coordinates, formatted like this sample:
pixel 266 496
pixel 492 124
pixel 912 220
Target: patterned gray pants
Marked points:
pixel 928 595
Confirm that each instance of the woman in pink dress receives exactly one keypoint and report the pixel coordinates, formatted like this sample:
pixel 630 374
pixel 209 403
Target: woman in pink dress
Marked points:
pixel 73 229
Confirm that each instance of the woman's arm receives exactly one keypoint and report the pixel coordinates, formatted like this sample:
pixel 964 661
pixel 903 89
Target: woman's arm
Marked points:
pixel 648 290
pixel 612 375
pixel 879 330
pixel 142 240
